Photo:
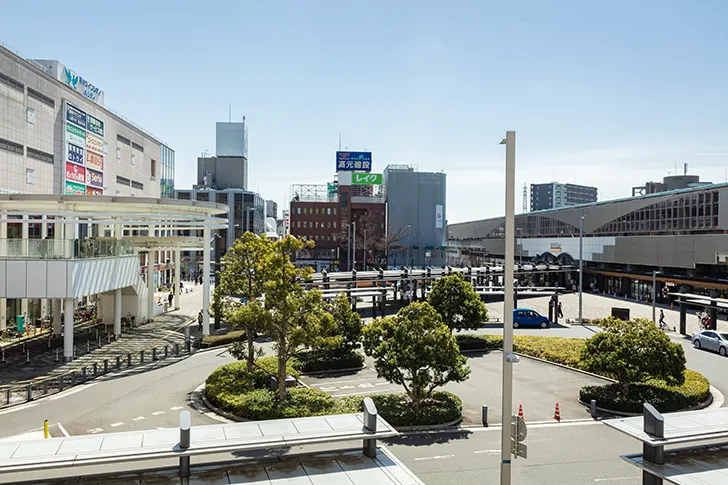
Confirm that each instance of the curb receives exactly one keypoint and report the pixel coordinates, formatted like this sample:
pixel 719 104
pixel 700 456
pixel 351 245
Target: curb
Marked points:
pixel 703 405
pixel 199 401
pixel 333 371
pixel 432 427
pixel 596 376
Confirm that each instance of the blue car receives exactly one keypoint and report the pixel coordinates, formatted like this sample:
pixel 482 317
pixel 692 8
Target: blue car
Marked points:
pixel 525 317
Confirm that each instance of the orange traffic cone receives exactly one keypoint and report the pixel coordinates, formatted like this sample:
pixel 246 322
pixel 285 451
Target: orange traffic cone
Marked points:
pixel 520 411
pixel 557 413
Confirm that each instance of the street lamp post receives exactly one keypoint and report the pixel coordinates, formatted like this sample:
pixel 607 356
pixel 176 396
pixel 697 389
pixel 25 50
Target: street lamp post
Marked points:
pixel 353 253
pixel 409 242
pixel 654 294
pixel 508 357
pixel 581 264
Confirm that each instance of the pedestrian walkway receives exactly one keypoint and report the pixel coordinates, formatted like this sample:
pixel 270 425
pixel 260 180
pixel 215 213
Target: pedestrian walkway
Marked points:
pixel 96 346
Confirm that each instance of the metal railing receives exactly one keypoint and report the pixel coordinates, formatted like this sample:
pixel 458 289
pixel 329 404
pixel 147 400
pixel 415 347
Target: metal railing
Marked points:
pixel 22 393
pixel 64 248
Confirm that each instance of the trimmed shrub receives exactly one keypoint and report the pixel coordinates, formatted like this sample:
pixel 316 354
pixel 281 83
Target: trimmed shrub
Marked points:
pixel 468 341
pixel 566 351
pixel 322 360
pixel 442 407
pixel 269 365
pixel 694 391
pixel 227 339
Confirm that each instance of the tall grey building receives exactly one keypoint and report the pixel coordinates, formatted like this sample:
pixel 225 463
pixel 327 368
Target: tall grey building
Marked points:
pixel 228 169
pixel 271 209
pixel 416 212
pixel 554 195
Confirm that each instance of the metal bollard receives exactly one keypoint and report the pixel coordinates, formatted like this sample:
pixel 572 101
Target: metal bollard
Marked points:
pixel 593 408
pixel 128 360
pixel 370 425
pixel 58 355
pixel 96 369
pixel 485 415
pixel 3 358
pixel 23 347
pixel 141 356
pixel 61 382
pixel 88 346
pixel 166 351
pixel 185 423
pixel 75 353
pixel 106 366
pixel 7 396
pixel 176 349
pixel 29 391
pixel 27 357
pixel 108 338
pixel 49 342
pixel 98 343
pixel 189 345
pixel 154 353
pixel 118 362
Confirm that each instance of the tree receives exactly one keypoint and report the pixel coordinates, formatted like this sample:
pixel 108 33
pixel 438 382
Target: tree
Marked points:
pixel 347 323
pixel 242 279
pixel 416 350
pixel 295 317
pixel 457 303
pixel 634 351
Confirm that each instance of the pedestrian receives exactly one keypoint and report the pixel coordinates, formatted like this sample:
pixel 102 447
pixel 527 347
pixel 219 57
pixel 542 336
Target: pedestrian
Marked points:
pixel 169 298
pixel 199 322
pixel 662 319
pixel 561 311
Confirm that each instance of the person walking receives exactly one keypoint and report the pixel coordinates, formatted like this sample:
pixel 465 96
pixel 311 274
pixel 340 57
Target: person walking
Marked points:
pixel 561 311
pixel 663 324
pixel 170 298
pixel 199 322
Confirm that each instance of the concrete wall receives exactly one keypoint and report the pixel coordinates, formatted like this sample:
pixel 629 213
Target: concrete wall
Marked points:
pixel 223 172
pixel 37 125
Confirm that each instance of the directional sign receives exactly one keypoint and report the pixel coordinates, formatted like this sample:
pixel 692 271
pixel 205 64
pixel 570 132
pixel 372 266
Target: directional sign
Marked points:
pixel 518 428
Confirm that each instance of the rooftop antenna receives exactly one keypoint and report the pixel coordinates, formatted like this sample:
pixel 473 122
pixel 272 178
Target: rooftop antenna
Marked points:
pixel 685 169
pixel 339 141
pixel 230 112
pixel 525 198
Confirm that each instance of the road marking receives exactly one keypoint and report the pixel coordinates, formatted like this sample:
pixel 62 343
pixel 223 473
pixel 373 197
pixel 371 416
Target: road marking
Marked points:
pixel 321 384
pixel 615 479
pixel 497 426
pixel 138 418
pixel 94 430
pixel 367 385
pixel 157 413
pixel 440 457
pixel 63 430
pixel 490 452
pixel 327 389
pixel 362 393
pixel 176 408
pixel 116 425
pixel 344 387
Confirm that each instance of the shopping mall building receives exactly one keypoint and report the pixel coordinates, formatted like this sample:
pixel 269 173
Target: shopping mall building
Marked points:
pixel 682 234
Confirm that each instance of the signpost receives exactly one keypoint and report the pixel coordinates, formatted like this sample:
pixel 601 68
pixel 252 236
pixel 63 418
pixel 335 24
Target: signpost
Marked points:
pixel 518 434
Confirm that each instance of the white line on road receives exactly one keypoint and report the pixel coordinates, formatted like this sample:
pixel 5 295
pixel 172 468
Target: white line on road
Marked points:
pixel 176 408
pixel 138 418
pixel 157 413
pixel 322 384
pixel 94 430
pixel 63 430
pixel 440 457
pixel 362 393
pixel 490 452
pixel 116 425
pixel 615 479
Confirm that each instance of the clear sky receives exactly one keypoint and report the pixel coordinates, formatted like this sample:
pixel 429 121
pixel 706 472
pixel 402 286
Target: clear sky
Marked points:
pixel 610 94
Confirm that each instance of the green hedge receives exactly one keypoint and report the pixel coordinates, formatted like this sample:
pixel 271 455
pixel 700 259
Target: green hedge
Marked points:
pixel 396 409
pixel 694 391
pixel 317 361
pixel 227 339
pixel 566 351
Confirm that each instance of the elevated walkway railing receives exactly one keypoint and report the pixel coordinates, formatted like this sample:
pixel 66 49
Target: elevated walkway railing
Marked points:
pixel 64 248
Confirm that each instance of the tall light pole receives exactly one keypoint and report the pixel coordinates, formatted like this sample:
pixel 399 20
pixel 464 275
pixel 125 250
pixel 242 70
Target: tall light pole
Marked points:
pixel 353 253
pixel 581 263
pixel 508 357
pixel 654 293
pixel 409 243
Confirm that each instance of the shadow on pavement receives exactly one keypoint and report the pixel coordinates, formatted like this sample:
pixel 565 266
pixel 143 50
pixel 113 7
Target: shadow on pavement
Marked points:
pixel 500 326
pixel 429 438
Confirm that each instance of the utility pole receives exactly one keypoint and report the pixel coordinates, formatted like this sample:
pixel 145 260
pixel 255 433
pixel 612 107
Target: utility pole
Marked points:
pixel 581 264
pixel 353 255
pixel 508 357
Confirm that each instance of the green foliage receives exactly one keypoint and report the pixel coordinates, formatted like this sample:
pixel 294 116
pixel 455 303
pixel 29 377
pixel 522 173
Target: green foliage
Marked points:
pixel 469 341
pixel 322 360
pixel 634 351
pixel 560 350
pixel 457 303
pixel 269 365
pixel 227 339
pixel 347 323
pixel 441 407
pixel 693 391
pixel 416 350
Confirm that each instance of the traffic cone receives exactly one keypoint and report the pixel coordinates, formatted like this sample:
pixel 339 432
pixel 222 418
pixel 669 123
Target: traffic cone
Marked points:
pixel 520 412
pixel 557 413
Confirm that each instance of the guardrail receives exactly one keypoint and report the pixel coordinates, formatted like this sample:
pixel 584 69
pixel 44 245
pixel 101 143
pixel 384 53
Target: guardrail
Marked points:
pixel 39 388
pixel 64 248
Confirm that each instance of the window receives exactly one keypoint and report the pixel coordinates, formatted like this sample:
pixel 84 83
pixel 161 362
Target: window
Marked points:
pixel 299 210
pixel 316 210
pixel 124 140
pixel 39 155
pixel 123 181
pixel 154 168
pixel 33 94
pixel 133 159
pixel 137 185
pixel 137 146
pixel 328 225
pixel 118 153
pixel 30 116
pixel 328 211
pixel 29 176
pixel 334 224
pixel 11 146
pixel 11 83
pixel 334 210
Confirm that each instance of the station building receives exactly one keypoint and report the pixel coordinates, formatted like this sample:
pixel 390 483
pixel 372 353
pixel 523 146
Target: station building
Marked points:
pixel 680 234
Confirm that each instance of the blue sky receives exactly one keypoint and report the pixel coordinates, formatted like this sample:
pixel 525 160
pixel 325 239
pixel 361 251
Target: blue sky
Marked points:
pixel 610 94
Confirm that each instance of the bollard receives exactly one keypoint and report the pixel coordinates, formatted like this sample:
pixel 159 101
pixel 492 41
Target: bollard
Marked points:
pixel 49 342
pixel 3 358
pixel 166 351
pixel 108 338
pixel 106 366
pixel 27 357
pixel 45 387
pixel 141 356
pixel 23 347
pixel 83 374
pixel 593 408
pixel 7 396
pixel 370 425
pixel 176 349
pixel 184 443
pixel 485 415
pixel 88 346
pixel 96 369
pixel 61 382
pixel 29 391
pixel 188 343
pixel 118 362
pixel 154 353
pixel 46 435
pixel 98 343
pixel 58 355
pixel 75 353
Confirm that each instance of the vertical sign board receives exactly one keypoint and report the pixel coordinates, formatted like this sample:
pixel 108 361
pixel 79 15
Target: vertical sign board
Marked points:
pixel 83 146
pixel 350 161
pixel 438 217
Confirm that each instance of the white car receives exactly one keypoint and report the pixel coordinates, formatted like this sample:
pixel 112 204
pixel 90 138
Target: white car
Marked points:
pixel 711 340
